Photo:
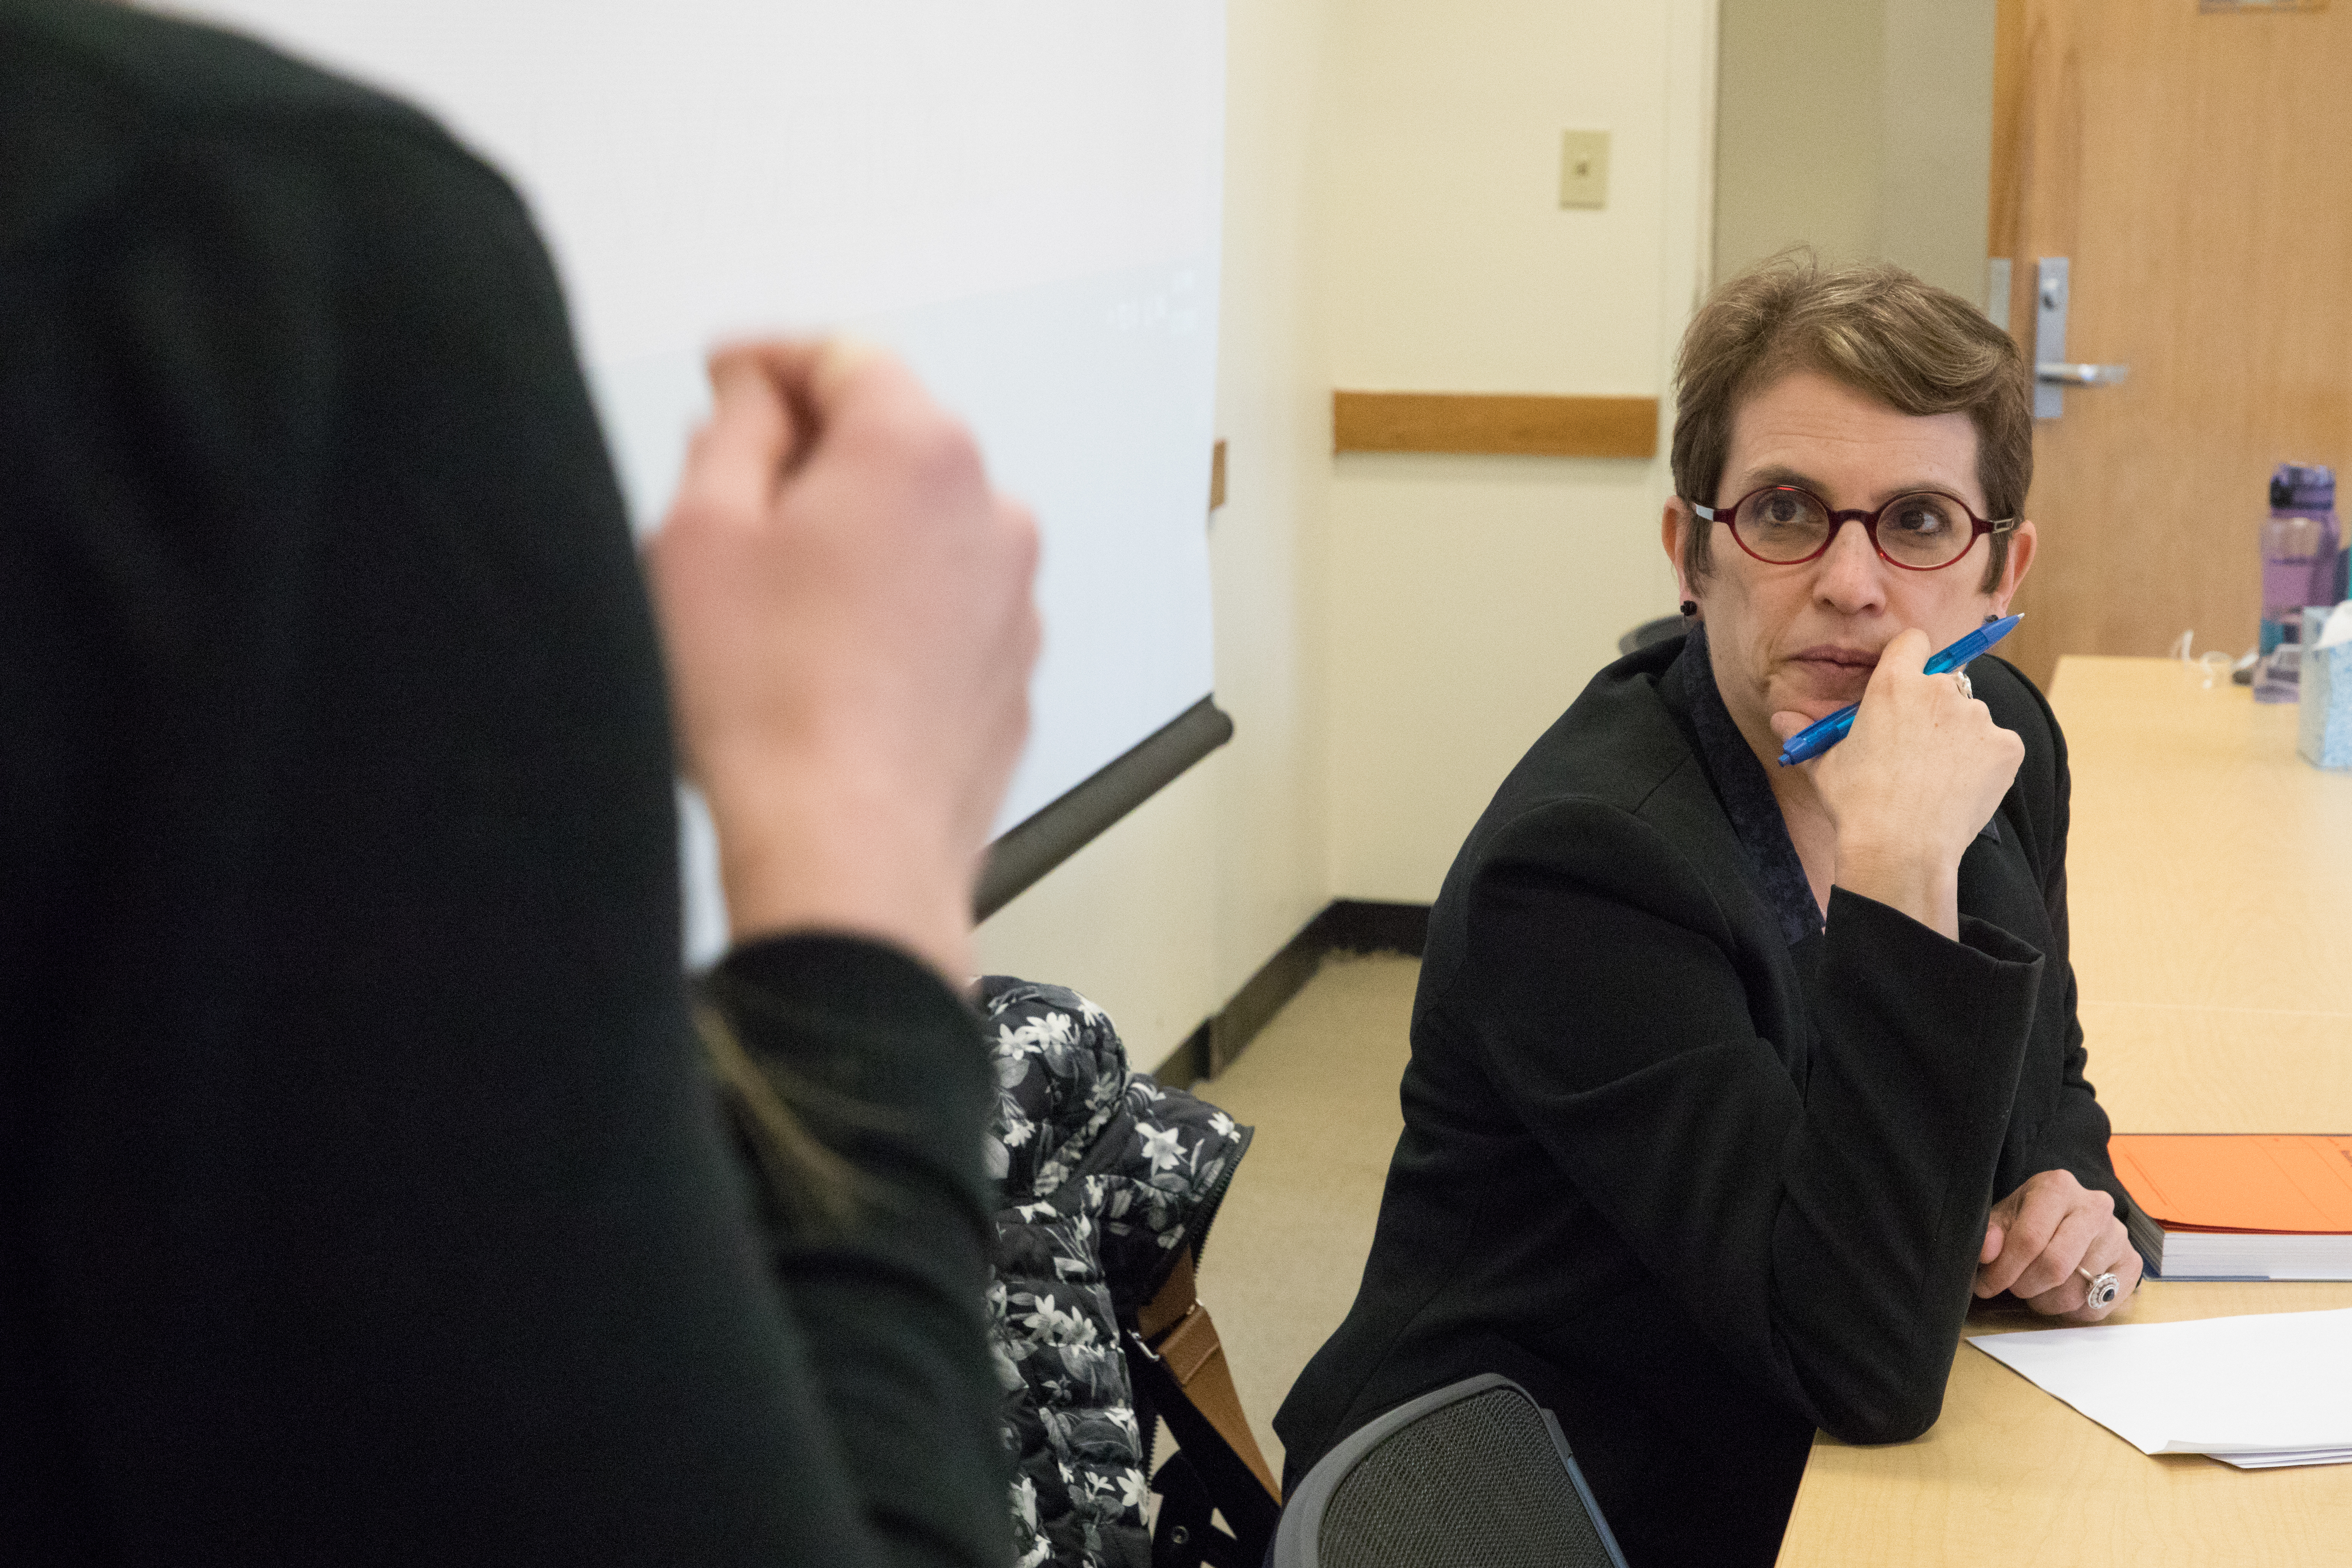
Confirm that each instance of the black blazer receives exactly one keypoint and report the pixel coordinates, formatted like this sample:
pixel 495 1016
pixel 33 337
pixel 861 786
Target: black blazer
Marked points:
pixel 362 1197
pixel 1700 1189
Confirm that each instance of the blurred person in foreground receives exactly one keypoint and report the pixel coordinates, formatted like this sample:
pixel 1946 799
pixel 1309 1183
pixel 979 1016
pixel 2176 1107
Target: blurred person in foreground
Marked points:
pixel 361 1193
pixel 1733 1084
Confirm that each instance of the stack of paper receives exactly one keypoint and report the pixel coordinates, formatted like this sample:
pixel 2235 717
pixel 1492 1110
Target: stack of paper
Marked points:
pixel 2255 1392
pixel 2256 1206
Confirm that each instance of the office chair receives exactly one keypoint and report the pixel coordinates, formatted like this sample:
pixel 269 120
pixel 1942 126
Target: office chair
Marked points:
pixel 1474 1475
pixel 1648 632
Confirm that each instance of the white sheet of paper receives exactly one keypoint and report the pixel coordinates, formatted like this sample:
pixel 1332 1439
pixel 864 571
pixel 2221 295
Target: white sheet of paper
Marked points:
pixel 2280 1458
pixel 2262 1389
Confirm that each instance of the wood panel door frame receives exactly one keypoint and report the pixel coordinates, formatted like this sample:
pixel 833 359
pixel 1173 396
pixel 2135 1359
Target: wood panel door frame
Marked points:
pixel 2181 136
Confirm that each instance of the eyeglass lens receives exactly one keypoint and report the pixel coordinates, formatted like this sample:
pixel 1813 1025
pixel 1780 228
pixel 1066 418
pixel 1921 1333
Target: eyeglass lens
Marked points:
pixel 1790 525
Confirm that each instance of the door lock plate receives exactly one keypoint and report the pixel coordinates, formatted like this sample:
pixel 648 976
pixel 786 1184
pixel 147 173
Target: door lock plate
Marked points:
pixel 2049 333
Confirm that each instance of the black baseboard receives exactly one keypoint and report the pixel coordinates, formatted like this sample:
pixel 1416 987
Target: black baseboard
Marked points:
pixel 1365 925
pixel 1345 925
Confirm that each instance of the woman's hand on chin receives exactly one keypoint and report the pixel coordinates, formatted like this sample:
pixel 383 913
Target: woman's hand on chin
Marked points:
pixel 1920 774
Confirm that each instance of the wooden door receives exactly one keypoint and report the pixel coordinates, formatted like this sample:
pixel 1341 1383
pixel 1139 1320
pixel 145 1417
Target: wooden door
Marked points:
pixel 2196 166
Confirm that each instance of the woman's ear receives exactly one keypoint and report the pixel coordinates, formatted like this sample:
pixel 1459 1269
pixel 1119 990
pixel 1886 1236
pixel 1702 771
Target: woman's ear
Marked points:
pixel 1673 529
pixel 2012 573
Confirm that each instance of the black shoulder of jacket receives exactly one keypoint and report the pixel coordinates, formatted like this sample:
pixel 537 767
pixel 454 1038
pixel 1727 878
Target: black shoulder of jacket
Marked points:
pixel 1622 752
pixel 90 92
pixel 1616 744
pixel 2036 802
pixel 2016 702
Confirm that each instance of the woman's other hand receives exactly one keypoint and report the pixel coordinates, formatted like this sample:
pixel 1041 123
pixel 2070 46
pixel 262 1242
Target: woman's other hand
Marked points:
pixel 1920 774
pixel 846 606
pixel 2038 1236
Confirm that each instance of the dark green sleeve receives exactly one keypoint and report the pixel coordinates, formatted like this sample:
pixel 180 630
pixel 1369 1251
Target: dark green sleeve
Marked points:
pixel 884 1069
pixel 364 1200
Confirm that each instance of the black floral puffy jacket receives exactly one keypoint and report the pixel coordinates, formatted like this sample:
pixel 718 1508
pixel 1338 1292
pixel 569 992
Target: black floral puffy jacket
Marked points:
pixel 1105 1174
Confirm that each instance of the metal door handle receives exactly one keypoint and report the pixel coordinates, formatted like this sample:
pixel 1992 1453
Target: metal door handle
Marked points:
pixel 2054 374
pixel 2066 372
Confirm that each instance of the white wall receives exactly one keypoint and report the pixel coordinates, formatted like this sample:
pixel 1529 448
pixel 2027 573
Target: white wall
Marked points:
pixel 1935 187
pixel 1165 916
pixel 1392 632
pixel 1471 598
pixel 1863 127
pixel 1802 102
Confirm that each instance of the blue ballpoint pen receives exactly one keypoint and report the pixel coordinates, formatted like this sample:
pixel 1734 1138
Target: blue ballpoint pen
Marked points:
pixel 1821 735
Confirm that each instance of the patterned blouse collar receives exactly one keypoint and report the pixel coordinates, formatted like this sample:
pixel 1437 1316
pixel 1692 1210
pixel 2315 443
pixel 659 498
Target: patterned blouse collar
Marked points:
pixel 1745 793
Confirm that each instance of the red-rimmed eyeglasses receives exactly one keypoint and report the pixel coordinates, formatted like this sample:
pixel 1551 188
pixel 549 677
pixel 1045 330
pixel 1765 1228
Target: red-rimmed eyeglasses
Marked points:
pixel 1784 525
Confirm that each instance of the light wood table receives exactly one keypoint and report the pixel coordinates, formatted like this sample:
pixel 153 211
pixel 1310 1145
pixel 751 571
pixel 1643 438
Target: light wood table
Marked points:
pixel 2209 865
pixel 2210 891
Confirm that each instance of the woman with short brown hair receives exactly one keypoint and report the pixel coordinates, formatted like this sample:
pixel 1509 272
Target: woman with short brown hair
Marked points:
pixel 1732 1084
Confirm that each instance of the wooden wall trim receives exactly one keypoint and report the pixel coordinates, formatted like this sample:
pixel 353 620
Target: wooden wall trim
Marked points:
pixel 1522 424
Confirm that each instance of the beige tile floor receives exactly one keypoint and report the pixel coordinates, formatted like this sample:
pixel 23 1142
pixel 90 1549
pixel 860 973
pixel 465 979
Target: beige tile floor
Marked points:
pixel 1320 1084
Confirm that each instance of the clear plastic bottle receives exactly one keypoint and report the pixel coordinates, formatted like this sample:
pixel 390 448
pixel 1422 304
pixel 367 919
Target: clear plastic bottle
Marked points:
pixel 2302 563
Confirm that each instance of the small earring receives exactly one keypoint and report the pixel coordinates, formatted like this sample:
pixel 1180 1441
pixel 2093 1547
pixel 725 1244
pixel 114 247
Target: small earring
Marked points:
pixel 1990 619
pixel 1690 608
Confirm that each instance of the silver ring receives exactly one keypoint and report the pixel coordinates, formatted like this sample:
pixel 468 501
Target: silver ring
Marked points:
pixel 2102 1289
pixel 1960 679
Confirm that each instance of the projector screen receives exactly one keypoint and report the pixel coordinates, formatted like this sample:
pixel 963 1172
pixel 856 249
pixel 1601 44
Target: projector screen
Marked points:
pixel 1021 196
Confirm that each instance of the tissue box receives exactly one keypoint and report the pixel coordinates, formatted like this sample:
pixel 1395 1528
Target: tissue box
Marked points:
pixel 2326 699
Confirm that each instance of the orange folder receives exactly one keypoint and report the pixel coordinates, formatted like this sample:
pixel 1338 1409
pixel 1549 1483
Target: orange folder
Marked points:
pixel 2298 1183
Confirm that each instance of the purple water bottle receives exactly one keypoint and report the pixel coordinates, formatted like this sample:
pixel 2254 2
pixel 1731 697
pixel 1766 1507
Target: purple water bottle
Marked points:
pixel 2302 563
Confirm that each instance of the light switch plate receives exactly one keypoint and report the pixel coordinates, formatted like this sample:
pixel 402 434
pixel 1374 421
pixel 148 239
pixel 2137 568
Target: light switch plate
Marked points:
pixel 1584 169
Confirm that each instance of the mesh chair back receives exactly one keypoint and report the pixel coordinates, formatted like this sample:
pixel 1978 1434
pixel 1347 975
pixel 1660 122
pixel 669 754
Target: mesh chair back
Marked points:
pixel 1474 1475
